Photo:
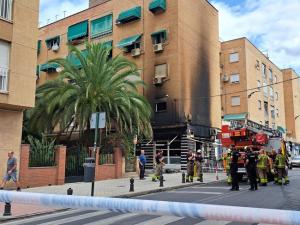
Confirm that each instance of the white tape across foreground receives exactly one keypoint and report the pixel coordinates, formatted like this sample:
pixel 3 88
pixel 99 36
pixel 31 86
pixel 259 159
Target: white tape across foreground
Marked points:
pixel 210 212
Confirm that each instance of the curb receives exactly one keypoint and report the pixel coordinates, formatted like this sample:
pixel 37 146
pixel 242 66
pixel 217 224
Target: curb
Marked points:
pixel 129 195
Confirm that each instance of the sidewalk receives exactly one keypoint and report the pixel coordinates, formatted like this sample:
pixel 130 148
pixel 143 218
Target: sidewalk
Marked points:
pixel 106 188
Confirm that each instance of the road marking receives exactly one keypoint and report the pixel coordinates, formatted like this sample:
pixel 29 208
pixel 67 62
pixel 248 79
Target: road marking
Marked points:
pixel 75 218
pixel 198 192
pixel 113 219
pixel 162 220
pixel 215 198
pixel 213 222
pixel 42 217
pixel 225 188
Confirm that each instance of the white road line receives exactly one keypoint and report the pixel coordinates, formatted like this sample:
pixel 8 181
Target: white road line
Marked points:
pixel 213 222
pixel 198 192
pixel 225 188
pixel 162 220
pixel 113 219
pixel 48 216
pixel 75 218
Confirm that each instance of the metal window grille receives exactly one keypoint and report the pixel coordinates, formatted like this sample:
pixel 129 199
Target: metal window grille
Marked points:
pixel 3 79
pixel 6 9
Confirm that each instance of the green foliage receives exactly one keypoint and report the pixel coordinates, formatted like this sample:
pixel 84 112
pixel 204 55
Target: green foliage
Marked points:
pixel 101 85
pixel 42 152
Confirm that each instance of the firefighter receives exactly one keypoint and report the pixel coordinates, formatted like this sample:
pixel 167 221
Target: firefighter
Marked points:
pixel 190 157
pixel 199 161
pixel 274 169
pixel 159 159
pixel 227 159
pixel 262 167
pixel 280 164
pixel 251 161
pixel 234 169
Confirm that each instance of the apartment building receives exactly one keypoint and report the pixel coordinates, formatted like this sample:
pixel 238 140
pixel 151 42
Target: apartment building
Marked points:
pixel 174 43
pixel 292 106
pixel 251 85
pixel 18 35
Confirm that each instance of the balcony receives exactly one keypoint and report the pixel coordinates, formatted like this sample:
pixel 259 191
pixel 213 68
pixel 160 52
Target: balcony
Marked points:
pixel 4 79
pixel 6 9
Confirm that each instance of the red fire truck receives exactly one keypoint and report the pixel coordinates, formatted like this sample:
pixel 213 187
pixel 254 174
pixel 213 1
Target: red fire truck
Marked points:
pixel 239 131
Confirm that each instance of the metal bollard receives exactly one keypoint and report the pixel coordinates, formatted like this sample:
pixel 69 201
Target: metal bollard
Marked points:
pixel 70 191
pixel 131 189
pixel 7 209
pixel 183 177
pixel 161 181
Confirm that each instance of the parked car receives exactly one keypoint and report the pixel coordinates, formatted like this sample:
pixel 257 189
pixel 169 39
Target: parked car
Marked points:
pixel 295 161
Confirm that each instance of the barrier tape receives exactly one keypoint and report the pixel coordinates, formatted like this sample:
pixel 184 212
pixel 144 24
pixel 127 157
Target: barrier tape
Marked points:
pixel 210 212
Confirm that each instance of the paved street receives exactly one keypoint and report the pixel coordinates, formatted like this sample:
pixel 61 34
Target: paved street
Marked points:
pixel 273 196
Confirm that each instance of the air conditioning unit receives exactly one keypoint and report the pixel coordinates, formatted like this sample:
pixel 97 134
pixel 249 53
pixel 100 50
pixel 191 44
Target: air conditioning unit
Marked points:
pixel 55 47
pixel 136 52
pixel 157 80
pixel 225 78
pixel 158 47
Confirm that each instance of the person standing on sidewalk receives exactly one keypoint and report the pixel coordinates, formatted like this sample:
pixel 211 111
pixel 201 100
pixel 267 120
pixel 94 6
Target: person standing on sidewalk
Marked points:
pixel 142 164
pixel 234 169
pixel 190 166
pixel 11 172
pixel 251 160
pixel 199 161
pixel 159 159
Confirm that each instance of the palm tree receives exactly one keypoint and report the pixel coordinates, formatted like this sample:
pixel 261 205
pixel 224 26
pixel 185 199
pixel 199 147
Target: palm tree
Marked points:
pixel 100 85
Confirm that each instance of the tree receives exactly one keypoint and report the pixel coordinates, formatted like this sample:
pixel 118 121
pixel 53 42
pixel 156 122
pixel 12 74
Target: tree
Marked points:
pixel 100 84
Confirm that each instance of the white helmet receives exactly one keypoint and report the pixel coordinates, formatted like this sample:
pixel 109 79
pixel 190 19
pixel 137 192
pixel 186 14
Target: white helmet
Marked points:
pixel 198 151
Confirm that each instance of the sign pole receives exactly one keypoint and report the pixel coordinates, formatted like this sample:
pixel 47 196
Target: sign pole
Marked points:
pixel 94 152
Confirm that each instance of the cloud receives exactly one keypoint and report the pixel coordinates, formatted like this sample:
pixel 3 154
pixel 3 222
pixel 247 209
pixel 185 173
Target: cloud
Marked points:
pixel 273 26
pixel 51 10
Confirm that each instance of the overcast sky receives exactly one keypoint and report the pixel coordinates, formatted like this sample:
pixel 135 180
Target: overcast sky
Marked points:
pixel 272 25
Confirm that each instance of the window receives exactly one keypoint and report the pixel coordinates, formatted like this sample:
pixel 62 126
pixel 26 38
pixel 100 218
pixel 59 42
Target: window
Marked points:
pixel 267 123
pixel 235 101
pixel 161 70
pixel 39 46
pixel 259 104
pixel 258 84
pixel 4 65
pixel 273 126
pixel 235 78
pixel 271 75
pixel 276 96
pixel 266 109
pixel 234 57
pixel 277 113
pixel 159 37
pixel 102 26
pixel 53 43
pixel 275 79
pixel 263 70
pixel 6 9
pixel 271 93
pixel 160 106
pixel 272 111
pixel 266 91
pixel 257 65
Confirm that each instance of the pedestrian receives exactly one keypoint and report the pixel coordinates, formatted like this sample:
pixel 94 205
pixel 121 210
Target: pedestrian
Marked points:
pixel 280 165
pixel 251 161
pixel 142 164
pixel 262 167
pixel 190 157
pixel 159 160
pixel 234 169
pixel 11 171
pixel 199 161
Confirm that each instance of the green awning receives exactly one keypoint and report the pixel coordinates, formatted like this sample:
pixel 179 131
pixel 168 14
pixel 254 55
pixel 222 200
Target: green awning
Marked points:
pixel 158 6
pixel 78 30
pixel 128 41
pixel 281 129
pixel 49 67
pixel 102 26
pixel 52 40
pixel 74 60
pixel 39 46
pixel 241 116
pixel 129 15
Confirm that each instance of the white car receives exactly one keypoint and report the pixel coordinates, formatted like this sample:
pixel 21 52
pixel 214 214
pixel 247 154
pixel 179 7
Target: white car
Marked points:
pixel 295 161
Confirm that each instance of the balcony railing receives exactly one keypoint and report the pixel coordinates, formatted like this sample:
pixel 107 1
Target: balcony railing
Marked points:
pixel 4 79
pixel 6 9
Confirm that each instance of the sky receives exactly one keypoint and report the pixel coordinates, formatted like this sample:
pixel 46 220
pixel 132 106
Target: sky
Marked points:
pixel 272 25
